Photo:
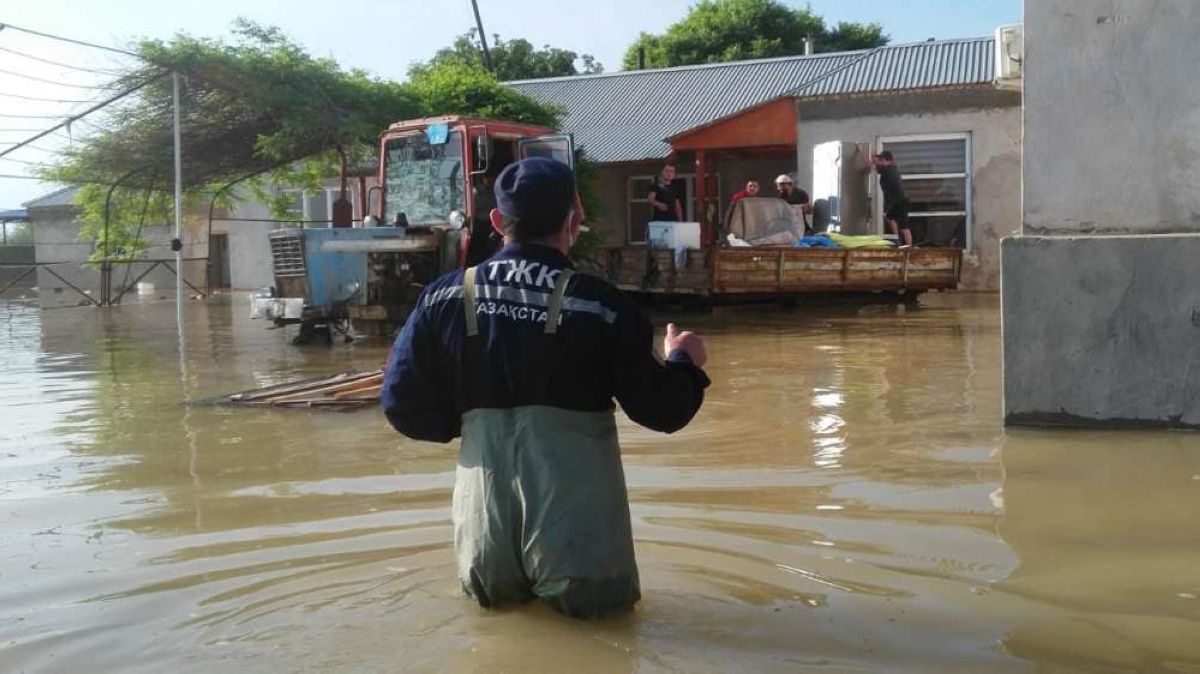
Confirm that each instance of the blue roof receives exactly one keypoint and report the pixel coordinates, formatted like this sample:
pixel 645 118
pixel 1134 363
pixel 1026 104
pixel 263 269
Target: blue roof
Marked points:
pixel 627 116
pixel 14 215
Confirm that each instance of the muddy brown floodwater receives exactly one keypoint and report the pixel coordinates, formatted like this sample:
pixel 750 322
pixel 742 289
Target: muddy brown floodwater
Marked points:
pixel 846 501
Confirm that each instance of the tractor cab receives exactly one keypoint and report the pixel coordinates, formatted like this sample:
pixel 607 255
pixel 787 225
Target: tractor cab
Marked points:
pixel 438 173
pixel 428 214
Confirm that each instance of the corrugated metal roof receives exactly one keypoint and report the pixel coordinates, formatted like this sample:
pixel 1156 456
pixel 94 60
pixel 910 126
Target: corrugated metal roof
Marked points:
pixel 914 66
pixel 60 197
pixel 627 116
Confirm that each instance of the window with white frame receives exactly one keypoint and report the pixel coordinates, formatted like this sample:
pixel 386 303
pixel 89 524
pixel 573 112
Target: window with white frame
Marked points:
pixel 639 211
pixel 936 172
pixel 313 208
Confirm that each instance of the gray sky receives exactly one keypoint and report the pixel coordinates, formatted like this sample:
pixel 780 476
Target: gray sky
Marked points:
pixel 381 36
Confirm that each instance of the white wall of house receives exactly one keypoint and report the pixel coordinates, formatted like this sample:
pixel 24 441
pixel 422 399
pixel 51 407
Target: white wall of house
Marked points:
pixel 1102 291
pixel 249 251
pixel 1114 115
pixel 56 240
pixel 994 140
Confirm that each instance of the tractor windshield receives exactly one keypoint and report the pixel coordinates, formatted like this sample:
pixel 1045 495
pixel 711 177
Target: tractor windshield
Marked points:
pixel 423 180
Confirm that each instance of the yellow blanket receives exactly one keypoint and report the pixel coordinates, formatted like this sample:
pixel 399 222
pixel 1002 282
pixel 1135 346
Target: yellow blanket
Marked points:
pixel 860 241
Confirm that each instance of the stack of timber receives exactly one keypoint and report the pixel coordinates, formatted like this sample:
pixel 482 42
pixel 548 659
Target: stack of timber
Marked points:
pixel 346 391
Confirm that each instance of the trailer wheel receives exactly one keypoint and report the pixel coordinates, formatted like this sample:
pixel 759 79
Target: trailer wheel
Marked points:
pixel 310 332
pixel 305 336
pixel 910 297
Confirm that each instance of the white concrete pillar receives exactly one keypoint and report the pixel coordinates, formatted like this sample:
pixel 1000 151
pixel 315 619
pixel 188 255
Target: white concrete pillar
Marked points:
pixel 1102 289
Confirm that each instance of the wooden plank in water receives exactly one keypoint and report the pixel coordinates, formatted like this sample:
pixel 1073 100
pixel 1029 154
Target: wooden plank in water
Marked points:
pixel 289 387
pixel 342 391
pixel 369 392
pixel 323 403
pixel 319 391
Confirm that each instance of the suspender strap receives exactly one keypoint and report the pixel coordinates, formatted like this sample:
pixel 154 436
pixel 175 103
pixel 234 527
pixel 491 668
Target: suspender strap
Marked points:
pixel 556 301
pixel 469 302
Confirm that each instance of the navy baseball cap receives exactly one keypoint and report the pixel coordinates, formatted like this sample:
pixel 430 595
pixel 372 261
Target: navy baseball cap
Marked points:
pixel 537 191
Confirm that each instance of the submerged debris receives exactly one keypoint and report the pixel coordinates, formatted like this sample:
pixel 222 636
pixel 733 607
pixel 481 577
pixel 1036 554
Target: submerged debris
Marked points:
pixel 345 391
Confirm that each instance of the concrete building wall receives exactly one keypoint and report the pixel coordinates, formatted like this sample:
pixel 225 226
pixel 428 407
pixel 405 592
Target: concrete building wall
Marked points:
pixel 17 255
pixel 995 142
pixel 249 248
pixel 1101 309
pixel 56 241
pixel 1102 330
pixel 1112 114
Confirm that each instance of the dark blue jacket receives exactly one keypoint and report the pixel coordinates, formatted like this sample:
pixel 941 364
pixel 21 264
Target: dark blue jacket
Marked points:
pixel 603 350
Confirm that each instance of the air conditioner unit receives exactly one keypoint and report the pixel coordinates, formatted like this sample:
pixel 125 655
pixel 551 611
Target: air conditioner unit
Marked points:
pixel 1010 54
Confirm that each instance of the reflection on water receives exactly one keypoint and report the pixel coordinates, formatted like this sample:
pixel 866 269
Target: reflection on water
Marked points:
pixel 846 501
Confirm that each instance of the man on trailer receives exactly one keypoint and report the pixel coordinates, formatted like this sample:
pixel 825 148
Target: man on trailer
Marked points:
pixel 895 203
pixel 523 358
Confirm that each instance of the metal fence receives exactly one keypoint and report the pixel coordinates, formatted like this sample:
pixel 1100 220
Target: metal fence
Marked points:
pixel 19 256
pixel 99 284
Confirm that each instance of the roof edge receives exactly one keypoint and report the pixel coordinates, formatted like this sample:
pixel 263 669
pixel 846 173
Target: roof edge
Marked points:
pixel 729 64
pixel 36 202
pixel 696 66
pixel 988 86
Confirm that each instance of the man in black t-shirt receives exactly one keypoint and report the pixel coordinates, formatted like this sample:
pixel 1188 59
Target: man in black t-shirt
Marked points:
pixel 795 196
pixel 666 204
pixel 895 203
pixel 666 207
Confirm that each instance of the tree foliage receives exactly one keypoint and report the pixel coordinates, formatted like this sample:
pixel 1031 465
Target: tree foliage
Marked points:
pixel 586 179
pixel 848 36
pixel 463 89
pixel 131 212
pixel 260 104
pixel 717 31
pixel 512 59
pixel 257 103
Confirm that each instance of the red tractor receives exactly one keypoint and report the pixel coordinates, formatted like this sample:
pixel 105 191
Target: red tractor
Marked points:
pixel 428 214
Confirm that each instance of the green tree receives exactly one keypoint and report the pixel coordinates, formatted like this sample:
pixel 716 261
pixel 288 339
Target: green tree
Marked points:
pixel 463 89
pixel 716 31
pixel 258 105
pixel 848 36
pixel 512 59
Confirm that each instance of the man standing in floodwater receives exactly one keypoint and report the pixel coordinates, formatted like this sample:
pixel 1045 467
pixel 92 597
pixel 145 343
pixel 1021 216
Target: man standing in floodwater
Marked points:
pixel 523 357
